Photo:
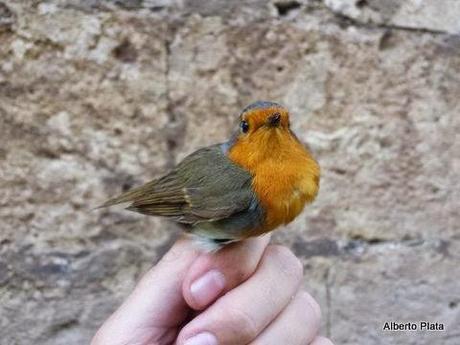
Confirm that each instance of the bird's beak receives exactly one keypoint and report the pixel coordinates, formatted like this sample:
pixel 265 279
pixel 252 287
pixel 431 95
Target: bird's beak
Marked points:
pixel 274 120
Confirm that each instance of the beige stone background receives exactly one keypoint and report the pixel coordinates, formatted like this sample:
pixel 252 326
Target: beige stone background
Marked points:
pixel 97 96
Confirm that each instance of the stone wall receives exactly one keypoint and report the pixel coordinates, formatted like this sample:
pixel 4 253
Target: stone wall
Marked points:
pixel 97 96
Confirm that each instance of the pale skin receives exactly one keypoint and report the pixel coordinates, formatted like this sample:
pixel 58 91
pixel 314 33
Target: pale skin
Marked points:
pixel 246 293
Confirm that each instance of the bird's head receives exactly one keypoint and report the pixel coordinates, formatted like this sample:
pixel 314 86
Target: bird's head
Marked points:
pixel 263 118
pixel 263 133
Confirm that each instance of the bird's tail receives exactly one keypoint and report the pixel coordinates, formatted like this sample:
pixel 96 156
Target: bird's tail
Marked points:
pixel 128 196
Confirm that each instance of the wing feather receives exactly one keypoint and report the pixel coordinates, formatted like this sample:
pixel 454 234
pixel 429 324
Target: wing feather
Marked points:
pixel 206 186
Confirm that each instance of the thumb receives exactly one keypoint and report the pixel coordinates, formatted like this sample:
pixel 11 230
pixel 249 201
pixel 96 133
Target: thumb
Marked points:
pixel 156 307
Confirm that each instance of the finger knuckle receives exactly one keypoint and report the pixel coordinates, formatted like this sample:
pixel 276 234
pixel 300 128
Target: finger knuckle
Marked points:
pixel 289 263
pixel 241 323
pixel 242 272
pixel 310 304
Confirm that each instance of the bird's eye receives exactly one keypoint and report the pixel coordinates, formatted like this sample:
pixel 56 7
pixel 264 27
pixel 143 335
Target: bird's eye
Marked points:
pixel 244 126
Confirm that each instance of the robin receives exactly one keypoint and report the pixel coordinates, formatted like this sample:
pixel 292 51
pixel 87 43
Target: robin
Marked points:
pixel 258 180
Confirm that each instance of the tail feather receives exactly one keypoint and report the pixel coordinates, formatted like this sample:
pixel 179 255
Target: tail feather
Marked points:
pixel 129 196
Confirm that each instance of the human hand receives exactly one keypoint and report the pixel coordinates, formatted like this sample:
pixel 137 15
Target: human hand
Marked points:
pixel 247 293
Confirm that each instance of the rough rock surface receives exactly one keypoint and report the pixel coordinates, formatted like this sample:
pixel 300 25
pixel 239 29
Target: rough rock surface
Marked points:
pixel 97 96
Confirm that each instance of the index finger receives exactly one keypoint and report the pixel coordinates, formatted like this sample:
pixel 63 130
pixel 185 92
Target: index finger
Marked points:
pixel 155 303
pixel 213 274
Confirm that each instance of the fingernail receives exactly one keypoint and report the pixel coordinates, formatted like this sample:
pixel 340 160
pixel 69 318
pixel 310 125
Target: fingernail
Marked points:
pixel 205 289
pixel 205 338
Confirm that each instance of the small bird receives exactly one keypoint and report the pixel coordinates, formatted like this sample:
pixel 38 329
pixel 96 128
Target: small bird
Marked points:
pixel 258 180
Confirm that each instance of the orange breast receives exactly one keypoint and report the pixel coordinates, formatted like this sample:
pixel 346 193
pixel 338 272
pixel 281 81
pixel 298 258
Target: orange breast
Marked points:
pixel 285 176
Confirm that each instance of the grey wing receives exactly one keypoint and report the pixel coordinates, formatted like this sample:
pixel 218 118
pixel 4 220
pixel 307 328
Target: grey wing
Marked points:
pixel 214 186
pixel 225 201
pixel 205 187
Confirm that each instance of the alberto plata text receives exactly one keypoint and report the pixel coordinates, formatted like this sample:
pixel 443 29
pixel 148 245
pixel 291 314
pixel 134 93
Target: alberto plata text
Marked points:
pixel 413 326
